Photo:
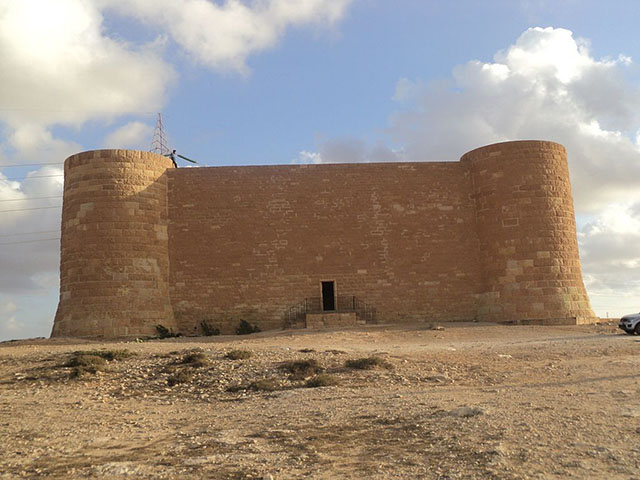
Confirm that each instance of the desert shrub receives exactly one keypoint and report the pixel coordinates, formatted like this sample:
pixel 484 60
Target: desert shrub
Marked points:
pixel 236 387
pixel 265 385
pixel 239 354
pixel 368 363
pixel 109 355
pixel 164 332
pixel 321 380
pixel 302 368
pixel 85 360
pixel 245 328
pixel 195 359
pixel 82 364
pixel 183 376
pixel 262 385
pixel 208 330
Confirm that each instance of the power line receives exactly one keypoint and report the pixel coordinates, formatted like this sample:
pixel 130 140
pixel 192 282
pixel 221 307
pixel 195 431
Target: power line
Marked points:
pixel 28 198
pixel 24 209
pixel 30 164
pixel 34 176
pixel 67 110
pixel 28 233
pixel 30 241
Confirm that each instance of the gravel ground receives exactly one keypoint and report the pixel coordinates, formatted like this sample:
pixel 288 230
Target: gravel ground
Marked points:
pixel 472 401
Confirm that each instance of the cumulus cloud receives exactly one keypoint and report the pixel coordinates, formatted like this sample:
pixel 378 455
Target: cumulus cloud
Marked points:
pixel 11 326
pixel 60 68
pixel 548 86
pixel 304 158
pixel 30 212
pixel 63 67
pixel 135 135
pixel 222 36
pixel 545 86
pixel 7 306
pixel 349 150
pixel 611 259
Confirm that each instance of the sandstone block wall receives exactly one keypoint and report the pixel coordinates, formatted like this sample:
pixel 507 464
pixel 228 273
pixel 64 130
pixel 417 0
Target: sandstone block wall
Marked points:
pixel 248 242
pixel 114 261
pixel 491 237
pixel 527 235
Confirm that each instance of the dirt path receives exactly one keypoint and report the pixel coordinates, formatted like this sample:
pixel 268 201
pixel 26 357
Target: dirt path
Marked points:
pixel 470 401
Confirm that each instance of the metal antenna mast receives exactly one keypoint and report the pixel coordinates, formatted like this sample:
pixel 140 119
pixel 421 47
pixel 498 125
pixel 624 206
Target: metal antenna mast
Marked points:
pixel 159 143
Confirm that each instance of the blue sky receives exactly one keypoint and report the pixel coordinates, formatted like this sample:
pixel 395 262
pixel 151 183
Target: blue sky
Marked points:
pixel 280 81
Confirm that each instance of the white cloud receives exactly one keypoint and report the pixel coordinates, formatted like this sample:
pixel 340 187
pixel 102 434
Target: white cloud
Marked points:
pixel 33 143
pixel 134 135
pixel 23 257
pixel 545 86
pixel 7 306
pixel 33 319
pixel 349 150
pixel 59 68
pixel 548 86
pixel 611 259
pixel 11 326
pixel 62 67
pixel 304 157
pixel 222 36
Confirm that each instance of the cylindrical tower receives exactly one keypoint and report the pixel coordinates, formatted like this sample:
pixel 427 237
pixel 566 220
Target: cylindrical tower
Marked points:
pixel 527 234
pixel 114 261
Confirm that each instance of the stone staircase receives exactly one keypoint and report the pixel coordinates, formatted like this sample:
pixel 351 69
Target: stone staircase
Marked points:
pixel 350 310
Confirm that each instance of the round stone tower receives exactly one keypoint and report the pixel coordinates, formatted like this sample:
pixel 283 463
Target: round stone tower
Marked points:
pixel 114 261
pixel 527 234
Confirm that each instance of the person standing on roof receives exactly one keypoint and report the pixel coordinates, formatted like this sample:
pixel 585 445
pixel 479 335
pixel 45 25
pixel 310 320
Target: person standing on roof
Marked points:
pixel 172 156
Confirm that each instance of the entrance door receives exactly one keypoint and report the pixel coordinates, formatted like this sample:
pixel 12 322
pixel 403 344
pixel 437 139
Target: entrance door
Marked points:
pixel 328 296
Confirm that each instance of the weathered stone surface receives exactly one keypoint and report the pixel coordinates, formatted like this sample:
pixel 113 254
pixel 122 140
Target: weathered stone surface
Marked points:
pixel 490 238
pixel 114 262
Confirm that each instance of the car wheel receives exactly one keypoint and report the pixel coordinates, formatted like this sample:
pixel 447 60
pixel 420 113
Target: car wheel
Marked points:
pixel 630 332
pixel 637 330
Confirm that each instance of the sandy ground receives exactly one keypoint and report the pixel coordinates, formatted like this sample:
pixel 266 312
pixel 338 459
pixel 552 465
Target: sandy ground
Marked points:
pixel 470 401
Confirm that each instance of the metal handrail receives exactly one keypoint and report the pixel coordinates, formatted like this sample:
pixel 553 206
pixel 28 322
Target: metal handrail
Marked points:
pixel 344 303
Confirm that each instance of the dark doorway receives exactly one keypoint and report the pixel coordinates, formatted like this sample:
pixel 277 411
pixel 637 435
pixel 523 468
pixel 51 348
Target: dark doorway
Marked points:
pixel 328 296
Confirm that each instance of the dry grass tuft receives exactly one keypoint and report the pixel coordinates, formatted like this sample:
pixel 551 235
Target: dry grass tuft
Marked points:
pixel 183 376
pixel 368 363
pixel 195 359
pixel 239 354
pixel 300 369
pixel 83 364
pixel 322 380
pixel 109 355
pixel 266 385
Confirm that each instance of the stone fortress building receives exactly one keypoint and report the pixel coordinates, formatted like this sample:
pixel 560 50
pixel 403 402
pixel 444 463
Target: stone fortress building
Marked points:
pixel 489 238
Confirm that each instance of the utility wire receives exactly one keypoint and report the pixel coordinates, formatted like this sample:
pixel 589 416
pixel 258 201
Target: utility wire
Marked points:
pixel 24 209
pixel 30 241
pixel 67 110
pixel 28 233
pixel 33 176
pixel 28 198
pixel 30 164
